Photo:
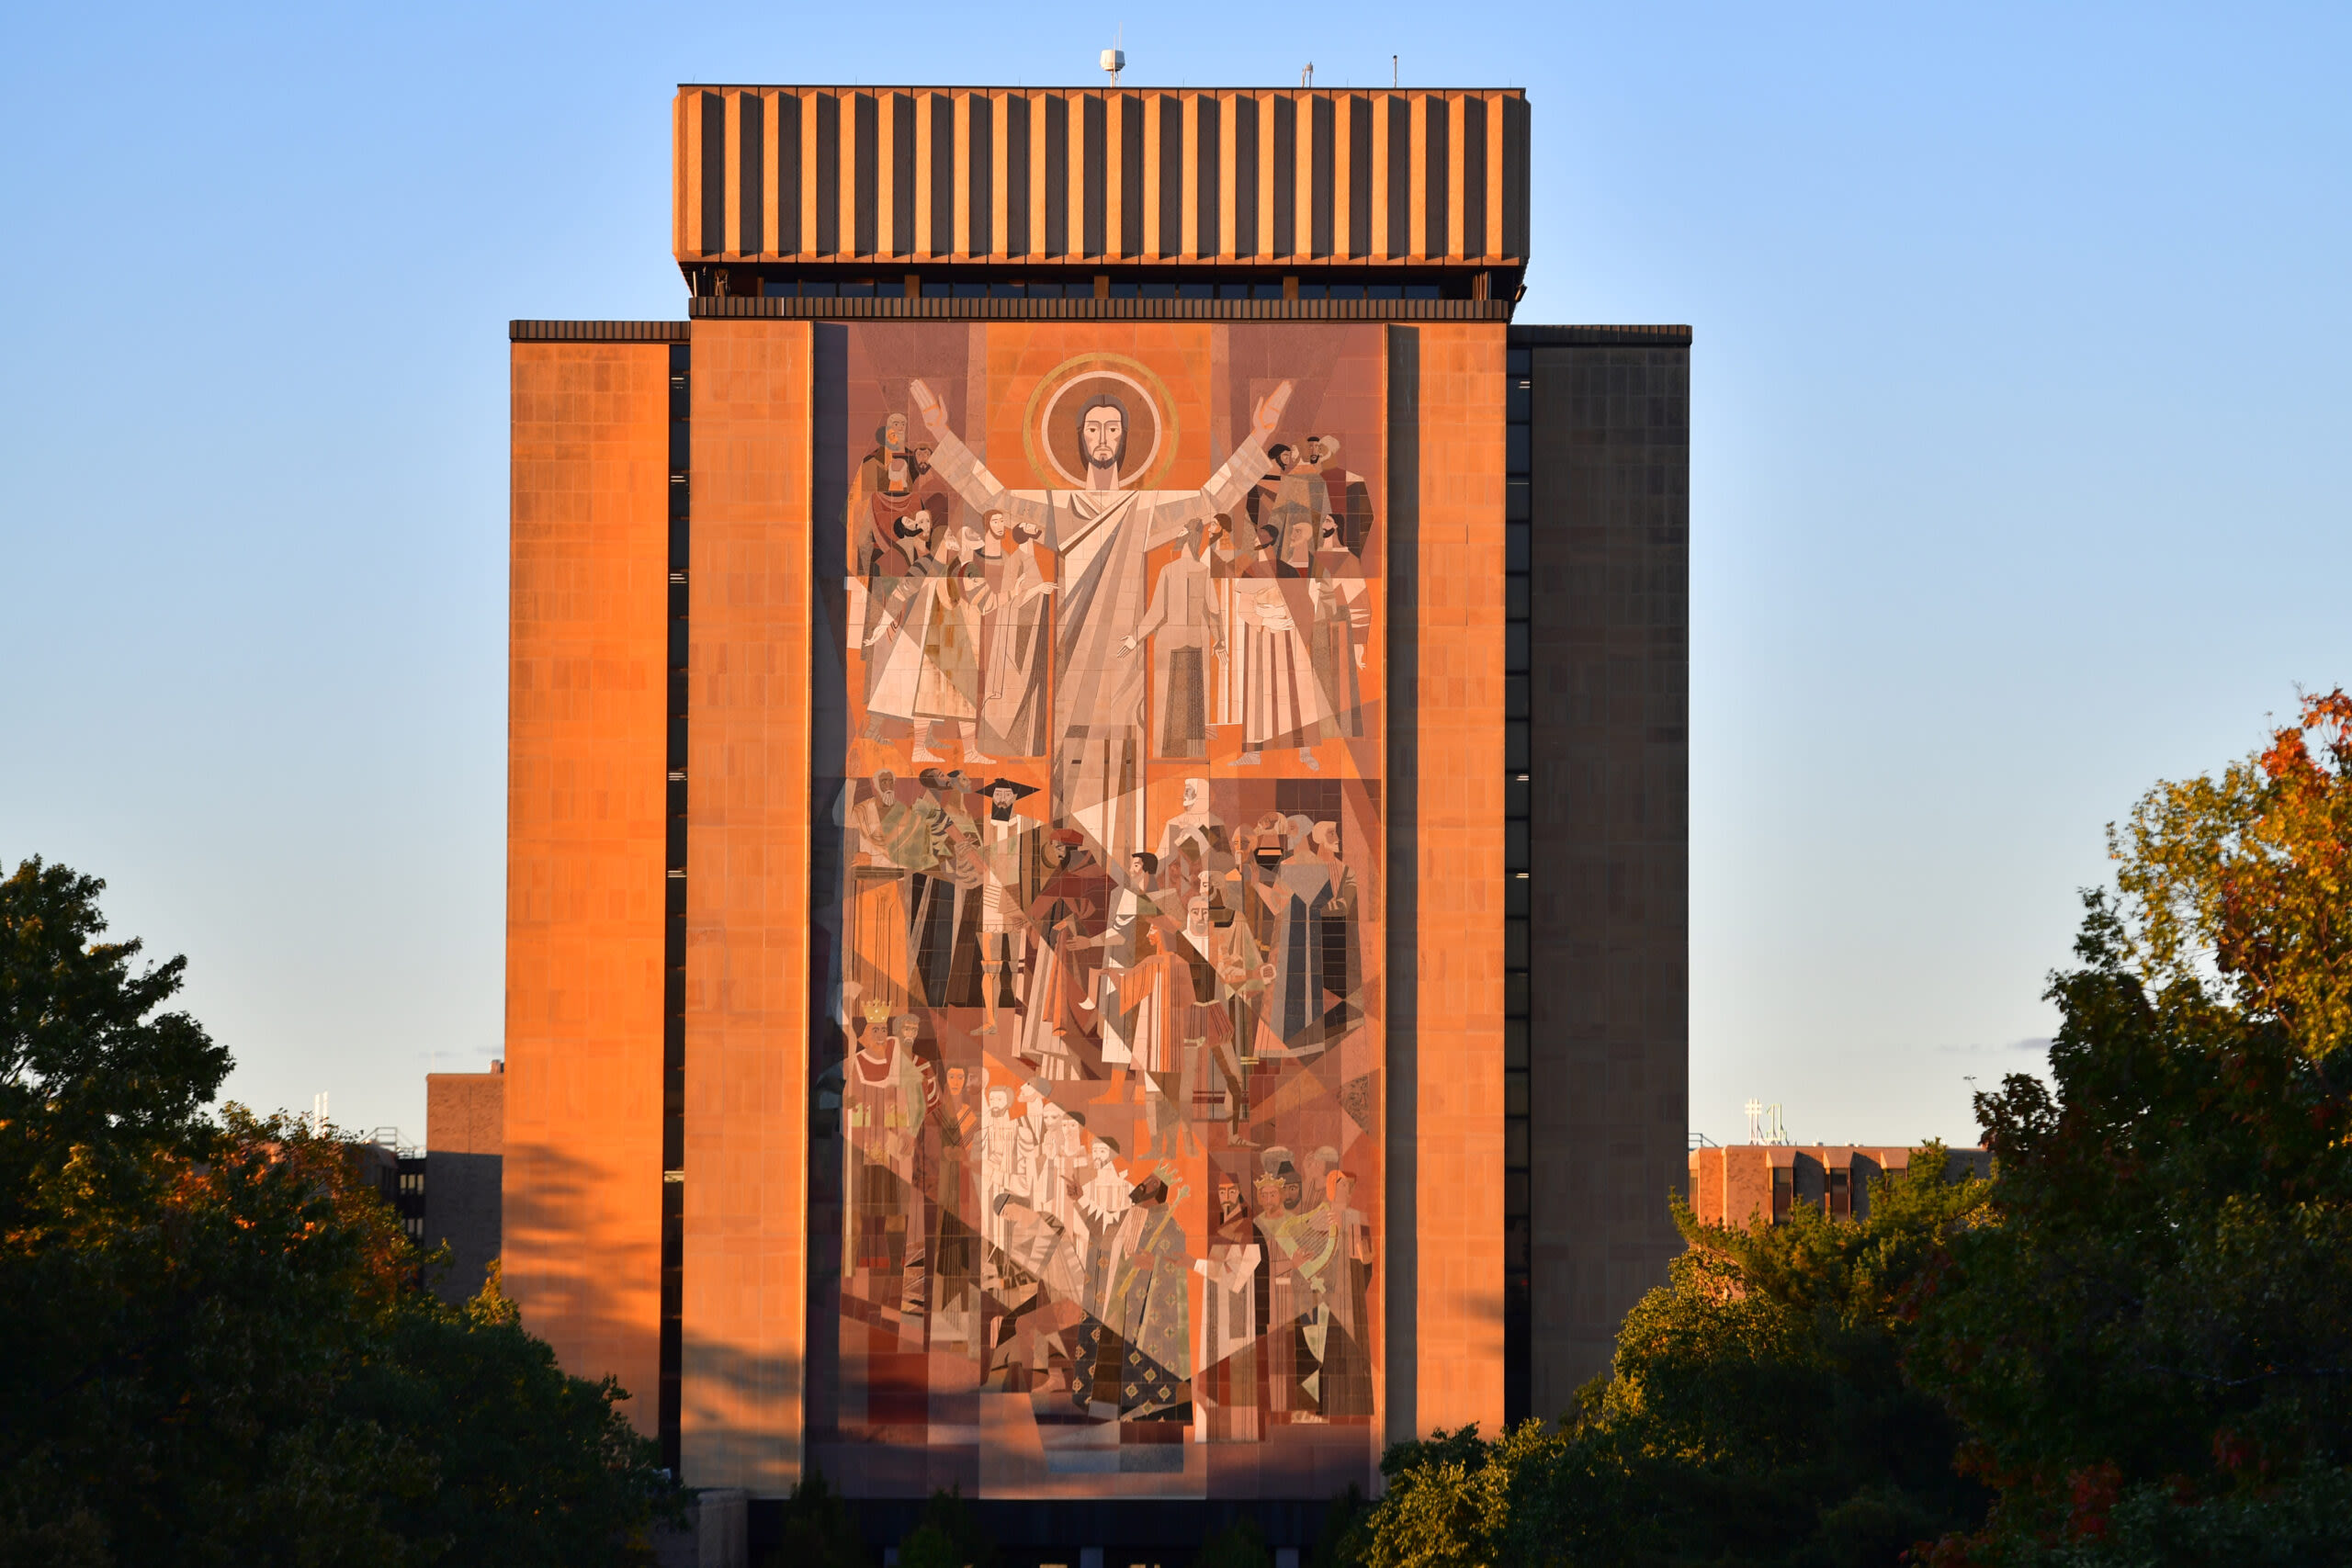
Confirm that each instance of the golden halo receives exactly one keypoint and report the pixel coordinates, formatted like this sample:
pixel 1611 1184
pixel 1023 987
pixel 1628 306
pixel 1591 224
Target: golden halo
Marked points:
pixel 1049 424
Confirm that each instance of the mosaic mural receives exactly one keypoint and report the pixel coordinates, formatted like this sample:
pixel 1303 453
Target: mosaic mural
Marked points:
pixel 1105 1163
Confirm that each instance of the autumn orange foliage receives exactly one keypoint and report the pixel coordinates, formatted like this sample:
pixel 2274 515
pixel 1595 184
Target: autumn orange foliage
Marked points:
pixel 2246 876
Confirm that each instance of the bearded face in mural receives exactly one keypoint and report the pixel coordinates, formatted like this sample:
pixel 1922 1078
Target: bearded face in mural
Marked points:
pixel 1102 437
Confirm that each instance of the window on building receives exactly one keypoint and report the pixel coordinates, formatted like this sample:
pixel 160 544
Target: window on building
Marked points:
pixel 1783 1191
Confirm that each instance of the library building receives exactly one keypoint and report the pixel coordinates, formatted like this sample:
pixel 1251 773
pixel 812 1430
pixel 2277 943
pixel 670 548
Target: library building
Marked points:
pixel 1097 823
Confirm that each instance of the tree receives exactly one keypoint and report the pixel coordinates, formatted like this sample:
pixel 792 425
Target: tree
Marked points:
pixel 2249 876
pixel 946 1535
pixel 2149 1342
pixel 819 1530
pixel 1756 1414
pixel 94 1082
pixel 2133 1344
pixel 1343 1538
pixel 531 1466
pixel 1240 1544
pixel 216 1350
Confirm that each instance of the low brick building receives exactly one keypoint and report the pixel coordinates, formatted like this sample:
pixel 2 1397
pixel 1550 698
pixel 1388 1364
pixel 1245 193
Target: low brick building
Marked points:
pixel 1749 1181
pixel 462 1172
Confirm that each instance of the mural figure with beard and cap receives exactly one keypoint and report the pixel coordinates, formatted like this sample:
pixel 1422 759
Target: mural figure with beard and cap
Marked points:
pixel 923 644
pixel 886 528
pixel 1012 861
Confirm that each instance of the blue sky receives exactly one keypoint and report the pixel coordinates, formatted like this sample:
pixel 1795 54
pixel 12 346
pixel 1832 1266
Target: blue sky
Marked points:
pixel 2020 459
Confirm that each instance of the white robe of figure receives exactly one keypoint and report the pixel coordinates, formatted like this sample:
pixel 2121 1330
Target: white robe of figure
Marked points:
pixel 1282 698
pixel 1228 1324
pixel 928 610
pixel 1104 538
pixel 1057 1163
pixel 996 1171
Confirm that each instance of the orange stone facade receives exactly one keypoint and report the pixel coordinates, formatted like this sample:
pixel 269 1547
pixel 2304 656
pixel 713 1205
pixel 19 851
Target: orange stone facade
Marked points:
pixel 582 1216
pixel 1012 973
pixel 1389 1329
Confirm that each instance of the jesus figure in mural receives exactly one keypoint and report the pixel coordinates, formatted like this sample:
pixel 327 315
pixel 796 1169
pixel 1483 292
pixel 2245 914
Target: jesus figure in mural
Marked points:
pixel 1103 535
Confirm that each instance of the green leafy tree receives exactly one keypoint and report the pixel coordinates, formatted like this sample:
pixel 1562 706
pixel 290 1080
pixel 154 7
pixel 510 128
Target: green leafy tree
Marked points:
pixel 214 1349
pixel 1760 1394
pixel 946 1535
pixel 1344 1537
pixel 1240 1544
pixel 2134 1346
pixel 2152 1340
pixel 2150 1345
pixel 1456 1500
pixel 1756 1414
pixel 819 1530
pixel 532 1467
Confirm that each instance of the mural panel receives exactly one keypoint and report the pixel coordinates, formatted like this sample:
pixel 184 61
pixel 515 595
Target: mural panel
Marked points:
pixel 1100 1140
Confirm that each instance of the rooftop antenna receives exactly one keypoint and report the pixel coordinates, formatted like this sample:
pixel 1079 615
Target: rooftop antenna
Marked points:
pixel 1764 1123
pixel 1392 72
pixel 1114 59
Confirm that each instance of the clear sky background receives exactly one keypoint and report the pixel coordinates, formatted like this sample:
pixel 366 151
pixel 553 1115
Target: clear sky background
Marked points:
pixel 2019 475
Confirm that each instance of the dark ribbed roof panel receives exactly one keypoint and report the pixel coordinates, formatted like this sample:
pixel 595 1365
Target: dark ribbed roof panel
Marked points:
pixel 1532 336
pixel 597 332
pixel 1200 176
pixel 898 308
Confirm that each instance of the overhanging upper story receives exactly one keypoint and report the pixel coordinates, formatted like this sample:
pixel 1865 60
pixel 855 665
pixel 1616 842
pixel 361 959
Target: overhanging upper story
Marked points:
pixel 802 195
